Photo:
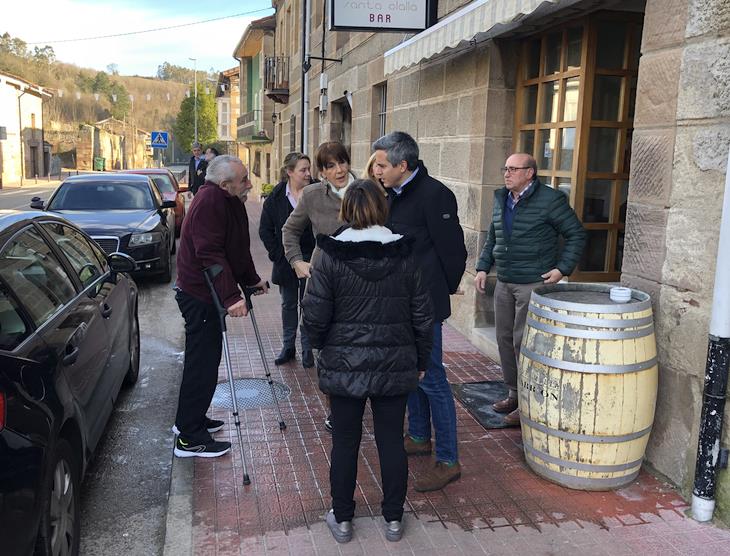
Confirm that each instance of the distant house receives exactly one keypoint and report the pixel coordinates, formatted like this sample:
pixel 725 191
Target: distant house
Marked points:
pixel 23 152
pixel 229 108
pixel 255 126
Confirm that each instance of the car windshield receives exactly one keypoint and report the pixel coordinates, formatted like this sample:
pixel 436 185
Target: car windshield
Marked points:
pixel 164 183
pixel 108 195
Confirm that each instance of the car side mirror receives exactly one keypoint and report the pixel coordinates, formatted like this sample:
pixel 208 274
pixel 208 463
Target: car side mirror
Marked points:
pixel 121 262
pixel 168 204
pixel 36 203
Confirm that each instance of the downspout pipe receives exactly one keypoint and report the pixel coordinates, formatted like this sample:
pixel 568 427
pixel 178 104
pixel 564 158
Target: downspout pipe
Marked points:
pixel 304 118
pixel 20 135
pixel 716 374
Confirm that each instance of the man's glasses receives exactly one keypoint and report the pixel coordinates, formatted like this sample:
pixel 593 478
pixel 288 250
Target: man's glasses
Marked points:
pixel 513 169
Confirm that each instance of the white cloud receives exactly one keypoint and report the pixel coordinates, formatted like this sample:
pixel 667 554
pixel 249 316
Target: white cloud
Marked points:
pixel 211 43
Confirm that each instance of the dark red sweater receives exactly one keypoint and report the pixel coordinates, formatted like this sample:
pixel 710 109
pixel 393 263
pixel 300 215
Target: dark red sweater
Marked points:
pixel 215 231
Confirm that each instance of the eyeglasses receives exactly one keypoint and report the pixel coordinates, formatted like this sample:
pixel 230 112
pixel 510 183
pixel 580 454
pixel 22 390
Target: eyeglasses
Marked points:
pixel 513 169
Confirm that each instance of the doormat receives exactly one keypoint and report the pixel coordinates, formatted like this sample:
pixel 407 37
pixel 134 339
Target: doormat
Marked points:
pixel 478 397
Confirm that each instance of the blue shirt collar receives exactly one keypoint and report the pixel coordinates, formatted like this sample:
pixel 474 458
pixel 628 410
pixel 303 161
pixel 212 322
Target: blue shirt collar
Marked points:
pixel 398 190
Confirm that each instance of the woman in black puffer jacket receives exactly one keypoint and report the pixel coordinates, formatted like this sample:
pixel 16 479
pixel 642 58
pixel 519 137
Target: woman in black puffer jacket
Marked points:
pixel 370 316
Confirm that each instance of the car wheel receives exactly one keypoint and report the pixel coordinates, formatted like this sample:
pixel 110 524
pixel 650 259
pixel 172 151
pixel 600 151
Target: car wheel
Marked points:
pixel 166 274
pixel 133 370
pixel 61 521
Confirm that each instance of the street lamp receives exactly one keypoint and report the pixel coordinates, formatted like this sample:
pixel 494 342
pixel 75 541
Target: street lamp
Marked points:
pixel 195 106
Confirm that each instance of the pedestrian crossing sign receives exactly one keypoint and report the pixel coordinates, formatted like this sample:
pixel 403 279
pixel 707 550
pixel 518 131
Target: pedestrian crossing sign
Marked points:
pixel 159 139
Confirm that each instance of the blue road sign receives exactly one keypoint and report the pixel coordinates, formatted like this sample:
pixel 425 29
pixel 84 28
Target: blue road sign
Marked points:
pixel 159 139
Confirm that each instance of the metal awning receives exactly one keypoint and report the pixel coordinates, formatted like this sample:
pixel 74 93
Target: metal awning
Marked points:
pixel 478 21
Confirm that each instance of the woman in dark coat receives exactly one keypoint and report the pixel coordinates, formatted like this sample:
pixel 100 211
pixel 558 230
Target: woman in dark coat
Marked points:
pixel 370 316
pixel 295 175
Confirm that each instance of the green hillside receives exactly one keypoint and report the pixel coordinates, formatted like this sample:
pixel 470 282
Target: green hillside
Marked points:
pixel 86 96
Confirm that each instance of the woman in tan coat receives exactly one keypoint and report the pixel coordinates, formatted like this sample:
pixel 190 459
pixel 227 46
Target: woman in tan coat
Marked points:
pixel 319 205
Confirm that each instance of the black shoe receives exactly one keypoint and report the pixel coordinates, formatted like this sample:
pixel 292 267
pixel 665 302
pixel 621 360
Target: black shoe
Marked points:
pixel 211 449
pixel 328 423
pixel 307 359
pixel 212 425
pixel 286 355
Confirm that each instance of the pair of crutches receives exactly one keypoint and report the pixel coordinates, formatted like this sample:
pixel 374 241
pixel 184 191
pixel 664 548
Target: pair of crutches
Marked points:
pixel 210 275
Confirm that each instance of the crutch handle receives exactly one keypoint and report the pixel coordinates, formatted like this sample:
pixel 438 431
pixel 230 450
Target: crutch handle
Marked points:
pixel 210 274
pixel 250 291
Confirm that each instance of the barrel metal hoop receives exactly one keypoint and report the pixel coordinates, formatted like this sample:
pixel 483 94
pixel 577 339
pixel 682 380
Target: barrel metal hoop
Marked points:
pixel 588 367
pixel 643 302
pixel 591 334
pixel 585 321
pixel 582 483
pixel 603 439
pixel 595 468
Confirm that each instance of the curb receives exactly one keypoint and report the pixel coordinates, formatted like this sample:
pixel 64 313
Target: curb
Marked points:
pixel 179 522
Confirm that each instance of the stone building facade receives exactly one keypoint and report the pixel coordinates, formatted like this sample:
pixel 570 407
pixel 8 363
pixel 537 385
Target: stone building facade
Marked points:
pixel 625 106
pixel 24 154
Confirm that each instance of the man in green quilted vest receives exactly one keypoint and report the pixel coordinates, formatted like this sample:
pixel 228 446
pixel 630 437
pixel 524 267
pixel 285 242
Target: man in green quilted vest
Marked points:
pixel 528 220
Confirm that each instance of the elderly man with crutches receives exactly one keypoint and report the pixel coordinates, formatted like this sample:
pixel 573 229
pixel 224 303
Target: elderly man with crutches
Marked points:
pixel 215 232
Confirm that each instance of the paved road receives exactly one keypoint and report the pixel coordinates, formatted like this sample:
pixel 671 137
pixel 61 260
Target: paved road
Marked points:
pixel 19 197
pixel 124 495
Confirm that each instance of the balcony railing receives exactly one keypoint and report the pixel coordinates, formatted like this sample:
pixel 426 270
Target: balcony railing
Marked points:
pixel 276 78
pixel 252 128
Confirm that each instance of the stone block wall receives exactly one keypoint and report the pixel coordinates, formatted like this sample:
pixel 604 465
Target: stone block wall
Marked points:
pixel 680 147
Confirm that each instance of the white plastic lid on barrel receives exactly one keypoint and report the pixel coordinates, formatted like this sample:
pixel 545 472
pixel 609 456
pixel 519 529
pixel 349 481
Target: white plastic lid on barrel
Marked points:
pixel 587 384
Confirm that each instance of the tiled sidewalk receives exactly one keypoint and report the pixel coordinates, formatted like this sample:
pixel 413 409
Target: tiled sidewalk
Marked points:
pixel 498 507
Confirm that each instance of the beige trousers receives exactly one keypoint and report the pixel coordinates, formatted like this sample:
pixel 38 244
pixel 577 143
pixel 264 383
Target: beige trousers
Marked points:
pixel 511 302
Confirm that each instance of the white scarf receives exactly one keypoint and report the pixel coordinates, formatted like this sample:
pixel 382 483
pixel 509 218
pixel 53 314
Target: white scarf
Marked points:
pixel 341 191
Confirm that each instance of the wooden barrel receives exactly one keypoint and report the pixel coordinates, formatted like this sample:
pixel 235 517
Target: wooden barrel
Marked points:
pixel 587 385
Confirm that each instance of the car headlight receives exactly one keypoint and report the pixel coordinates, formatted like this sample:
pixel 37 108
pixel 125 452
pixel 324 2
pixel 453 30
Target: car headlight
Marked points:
pixel 145 238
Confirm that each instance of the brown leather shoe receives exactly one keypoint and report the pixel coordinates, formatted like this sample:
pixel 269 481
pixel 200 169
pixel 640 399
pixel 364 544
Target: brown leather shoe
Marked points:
pixel 505 406
pixel 512 419
pixel 414 448
pixel 438 477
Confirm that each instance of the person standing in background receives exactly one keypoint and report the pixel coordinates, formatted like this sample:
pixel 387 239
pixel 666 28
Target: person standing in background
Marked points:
pixel 196 169
pixel 282 201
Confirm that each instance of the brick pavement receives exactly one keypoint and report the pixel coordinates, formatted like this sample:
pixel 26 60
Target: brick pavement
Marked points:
pixel 498 507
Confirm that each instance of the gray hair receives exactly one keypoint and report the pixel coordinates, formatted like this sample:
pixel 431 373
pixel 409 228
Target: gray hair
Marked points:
pixel 399 146
pixel 196 145
pixel 221 168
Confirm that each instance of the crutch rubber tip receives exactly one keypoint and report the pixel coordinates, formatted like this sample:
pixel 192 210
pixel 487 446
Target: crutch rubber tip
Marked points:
pixel 246 480
pixel 282 426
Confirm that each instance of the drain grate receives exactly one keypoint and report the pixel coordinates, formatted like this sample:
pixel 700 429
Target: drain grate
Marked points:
pixel 250 393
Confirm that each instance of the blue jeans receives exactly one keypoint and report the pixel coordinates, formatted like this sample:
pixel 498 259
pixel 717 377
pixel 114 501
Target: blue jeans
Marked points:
pixel 290 296
pixel 434 401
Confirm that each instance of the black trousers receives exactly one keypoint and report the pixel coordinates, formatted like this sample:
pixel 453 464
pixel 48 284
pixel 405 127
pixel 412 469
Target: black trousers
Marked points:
pixel 203 348
pixel 388 415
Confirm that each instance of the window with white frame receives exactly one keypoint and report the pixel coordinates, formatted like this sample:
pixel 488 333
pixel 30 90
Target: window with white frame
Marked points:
pixel 224 123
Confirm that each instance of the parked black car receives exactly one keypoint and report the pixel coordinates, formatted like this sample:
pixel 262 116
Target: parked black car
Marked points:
pixel 69 339
pixel 122 212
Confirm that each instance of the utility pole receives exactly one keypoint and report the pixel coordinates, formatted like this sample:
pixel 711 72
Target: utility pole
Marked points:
pixel 195 106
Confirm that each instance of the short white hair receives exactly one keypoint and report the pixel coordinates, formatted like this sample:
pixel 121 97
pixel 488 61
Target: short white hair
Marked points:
pixel 221 168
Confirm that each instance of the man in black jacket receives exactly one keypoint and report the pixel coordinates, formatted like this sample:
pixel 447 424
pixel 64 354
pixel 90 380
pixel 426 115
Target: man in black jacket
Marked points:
pixel 196 169
pixel 277 208
pixel 425 209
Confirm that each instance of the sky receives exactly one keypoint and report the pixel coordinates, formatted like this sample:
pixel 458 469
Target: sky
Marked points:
pixel 45 21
